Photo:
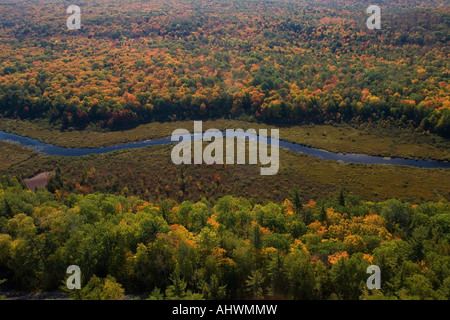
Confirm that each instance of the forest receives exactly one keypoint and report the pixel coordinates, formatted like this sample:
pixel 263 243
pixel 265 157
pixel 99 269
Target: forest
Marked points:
pixel 285 62
pixel 140 227
pixel 231 248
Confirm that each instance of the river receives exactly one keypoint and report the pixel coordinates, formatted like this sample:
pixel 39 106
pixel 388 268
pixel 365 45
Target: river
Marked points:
pixel 49 149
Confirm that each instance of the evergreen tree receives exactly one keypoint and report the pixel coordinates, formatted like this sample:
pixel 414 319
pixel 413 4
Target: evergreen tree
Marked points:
pixel 296 200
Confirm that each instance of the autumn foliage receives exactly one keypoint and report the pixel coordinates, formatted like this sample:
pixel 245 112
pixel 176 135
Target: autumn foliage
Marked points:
pixel 274 61
pixel 233 248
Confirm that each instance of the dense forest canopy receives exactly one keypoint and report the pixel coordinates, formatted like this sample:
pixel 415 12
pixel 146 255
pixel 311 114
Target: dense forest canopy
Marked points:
pixel 233 248
pixel 274 61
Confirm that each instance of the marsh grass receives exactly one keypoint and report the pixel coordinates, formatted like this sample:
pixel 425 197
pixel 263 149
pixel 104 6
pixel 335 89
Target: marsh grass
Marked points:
pixel 149 173
pixel 11 154
pixel 370 140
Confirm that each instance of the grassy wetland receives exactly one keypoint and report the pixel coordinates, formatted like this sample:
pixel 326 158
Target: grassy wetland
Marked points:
pixel 375 140
pixel 149 173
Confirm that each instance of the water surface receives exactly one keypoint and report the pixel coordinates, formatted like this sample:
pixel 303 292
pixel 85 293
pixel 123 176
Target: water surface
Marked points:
pixel 49 149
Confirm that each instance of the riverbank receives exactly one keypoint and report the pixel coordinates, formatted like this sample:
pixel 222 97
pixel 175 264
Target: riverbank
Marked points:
pixel 150 174
pixel 373 141
pixel 52 150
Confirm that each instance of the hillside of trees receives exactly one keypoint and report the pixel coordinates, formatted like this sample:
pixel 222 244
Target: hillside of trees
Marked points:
pixel 273 61
pixel 233 248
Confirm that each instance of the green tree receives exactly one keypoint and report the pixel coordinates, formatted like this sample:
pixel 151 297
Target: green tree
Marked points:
pixel 417 287
pixel 177 290
pixel 341 197
pixel 296 199
pixel 256 236
pixel 255 284
pixel 213 290
pixel 156 294
pixel 349 276
pixel 98 289
pixel 300 274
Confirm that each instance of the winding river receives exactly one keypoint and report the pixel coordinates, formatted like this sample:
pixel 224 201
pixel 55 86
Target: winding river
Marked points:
pixel 49 149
